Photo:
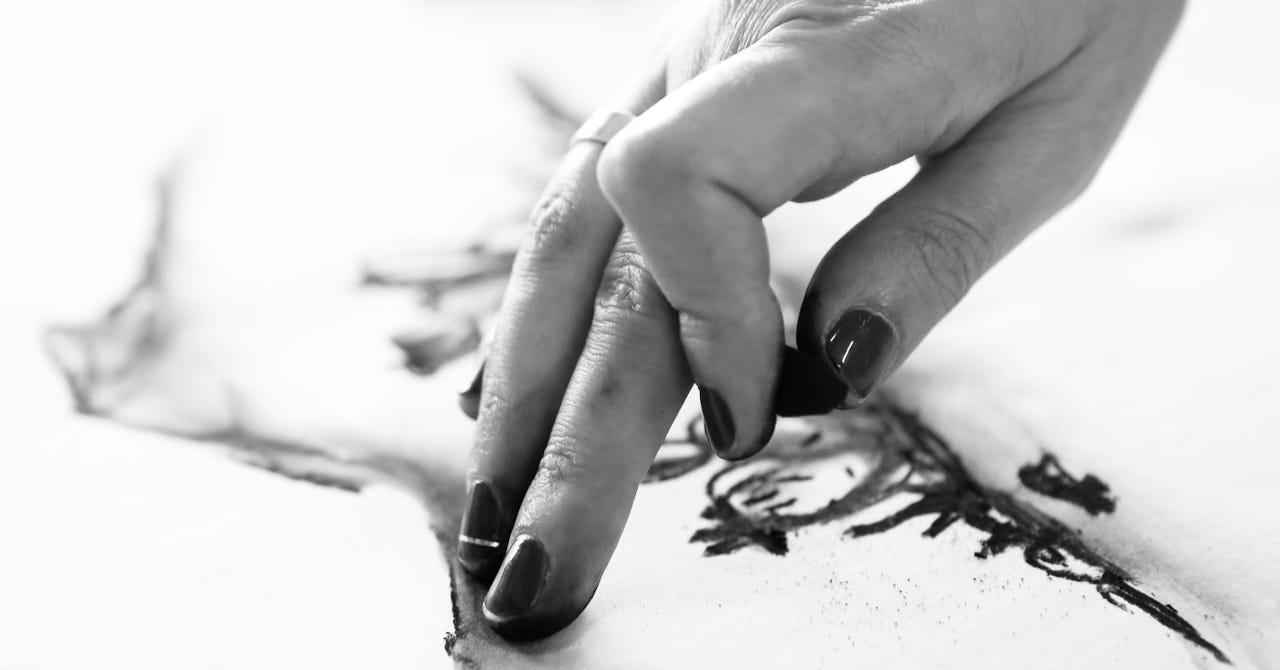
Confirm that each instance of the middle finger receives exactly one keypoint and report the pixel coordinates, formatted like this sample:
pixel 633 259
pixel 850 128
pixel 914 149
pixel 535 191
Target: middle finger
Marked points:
pixel 629 384
pixel 545 315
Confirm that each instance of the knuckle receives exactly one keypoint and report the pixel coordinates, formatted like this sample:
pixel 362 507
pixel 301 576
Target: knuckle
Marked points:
pixel 555 225
pixel 627 290
pixel 639 162
pixel 564 463
pixel 950 250
pixel 494 402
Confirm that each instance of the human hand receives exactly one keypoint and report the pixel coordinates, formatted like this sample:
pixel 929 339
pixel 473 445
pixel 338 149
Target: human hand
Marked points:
pixel 1010 108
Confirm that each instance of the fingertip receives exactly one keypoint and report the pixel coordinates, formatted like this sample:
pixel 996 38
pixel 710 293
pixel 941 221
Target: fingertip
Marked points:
pixel 848 339
pixel 740 448
pixel 717 420
pixel 523 603
pixel 863 347
pixel 747 450
pixel 530 627
pixel 483 532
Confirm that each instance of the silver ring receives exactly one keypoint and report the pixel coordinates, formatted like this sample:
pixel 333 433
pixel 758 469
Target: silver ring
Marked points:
pixel 475 540
pixel 602 125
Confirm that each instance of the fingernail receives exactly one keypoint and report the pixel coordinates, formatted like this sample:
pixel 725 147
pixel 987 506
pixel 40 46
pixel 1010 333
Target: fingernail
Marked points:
pixel 519 582
pixel 717 420
pixel 469 397
pixel 861 346
pixel 481 536
pixel 806 386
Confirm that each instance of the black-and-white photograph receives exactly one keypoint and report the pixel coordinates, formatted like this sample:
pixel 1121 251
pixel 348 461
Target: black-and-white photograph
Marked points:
pixel 631 334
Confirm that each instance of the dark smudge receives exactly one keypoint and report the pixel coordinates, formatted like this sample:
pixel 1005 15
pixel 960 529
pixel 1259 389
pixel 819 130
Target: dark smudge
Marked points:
pixel 1048 478
pixel 680 456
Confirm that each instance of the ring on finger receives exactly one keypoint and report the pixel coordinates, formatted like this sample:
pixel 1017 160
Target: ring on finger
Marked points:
pixel 602 125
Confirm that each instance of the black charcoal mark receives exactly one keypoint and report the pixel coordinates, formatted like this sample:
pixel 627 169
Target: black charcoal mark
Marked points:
pixel 733 528
pixel 327 481
pixel 773 509
pixel 1048 478
pixel 786 479
pixel 451 637
pixel 437 272
pixel 771 540
pixel 944 490
pixel 294 461
pixel 133 330
pixel 462 629
pixel 426 352
pixel 761 497
pixel 666 466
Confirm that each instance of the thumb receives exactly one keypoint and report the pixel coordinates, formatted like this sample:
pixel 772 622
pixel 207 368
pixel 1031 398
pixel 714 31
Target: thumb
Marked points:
pixel 881 289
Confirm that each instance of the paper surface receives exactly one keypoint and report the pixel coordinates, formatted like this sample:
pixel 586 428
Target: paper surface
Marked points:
pixel 270 343
pixel 818 537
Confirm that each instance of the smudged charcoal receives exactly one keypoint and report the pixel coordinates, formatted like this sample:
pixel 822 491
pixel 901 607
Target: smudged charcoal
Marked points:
pixel 1048 478
pixel 938 486
pixel 427 351
pixel 666 467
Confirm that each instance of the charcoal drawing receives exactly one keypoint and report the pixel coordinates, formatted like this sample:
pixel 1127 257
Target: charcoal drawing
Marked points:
pixel 907 460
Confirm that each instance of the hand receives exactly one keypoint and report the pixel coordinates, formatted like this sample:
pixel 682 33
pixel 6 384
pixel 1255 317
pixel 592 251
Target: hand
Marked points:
pixel 1010 108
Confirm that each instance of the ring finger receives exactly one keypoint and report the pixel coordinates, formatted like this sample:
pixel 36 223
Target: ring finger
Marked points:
pixel 628 386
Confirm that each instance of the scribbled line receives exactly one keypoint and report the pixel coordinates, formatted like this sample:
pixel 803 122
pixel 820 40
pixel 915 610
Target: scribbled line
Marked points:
pixel 949 494
pixel 764 518
pixel 1049 478
pixel 670 463
pixel 114 348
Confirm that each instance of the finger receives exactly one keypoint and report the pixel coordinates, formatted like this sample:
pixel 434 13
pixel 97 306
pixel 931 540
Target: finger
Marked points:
pixel 543 322
pixel 693 177
pixel 886 283
pixel 625 393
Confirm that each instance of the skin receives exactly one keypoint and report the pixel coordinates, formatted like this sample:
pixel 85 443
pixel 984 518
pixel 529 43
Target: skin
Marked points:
pixel 646 269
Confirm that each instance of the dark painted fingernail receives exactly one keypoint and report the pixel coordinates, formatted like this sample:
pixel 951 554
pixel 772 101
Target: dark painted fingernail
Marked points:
pixel 469 397
pixel 515 592
pixel 806 385
pixel 862 346
pixel 481 537
pixel 717 420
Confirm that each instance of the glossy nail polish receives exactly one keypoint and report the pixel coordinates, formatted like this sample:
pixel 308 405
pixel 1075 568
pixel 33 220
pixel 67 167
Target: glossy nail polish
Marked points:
pixel 469 397
pixel 482 535
pixel 717 420
pixel 862 346
pixel 520 581
pixel 806 385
